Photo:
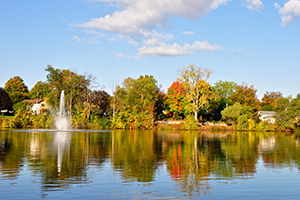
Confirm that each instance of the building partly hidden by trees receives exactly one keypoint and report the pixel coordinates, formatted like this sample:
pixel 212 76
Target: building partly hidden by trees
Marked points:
pixel 138 102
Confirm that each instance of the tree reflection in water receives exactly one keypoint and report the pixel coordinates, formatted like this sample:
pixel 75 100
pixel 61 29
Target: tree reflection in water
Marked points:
pixel 192 159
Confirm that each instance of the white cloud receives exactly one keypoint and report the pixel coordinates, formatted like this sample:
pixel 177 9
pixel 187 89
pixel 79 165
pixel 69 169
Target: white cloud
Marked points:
pixel 289 12
pixel 188 33
pixel 78 39
pixel 141 17
pixel 139 20
pixel 239 50
pixel 94 32
pixel 162 49
pixel 90 41
pixel 254 5
pixel 94 41
pixel 135 57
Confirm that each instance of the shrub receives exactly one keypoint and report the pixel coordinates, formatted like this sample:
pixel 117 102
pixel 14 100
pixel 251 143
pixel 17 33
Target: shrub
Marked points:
pixel 190 123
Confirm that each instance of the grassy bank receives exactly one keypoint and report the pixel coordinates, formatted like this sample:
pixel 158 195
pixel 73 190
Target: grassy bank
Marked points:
pixel 29 120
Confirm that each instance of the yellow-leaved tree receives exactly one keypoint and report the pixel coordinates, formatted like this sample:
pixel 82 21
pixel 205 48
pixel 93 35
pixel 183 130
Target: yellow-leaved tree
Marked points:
pixel 198 90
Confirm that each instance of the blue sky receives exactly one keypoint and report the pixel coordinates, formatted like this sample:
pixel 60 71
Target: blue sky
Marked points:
pixel 251 41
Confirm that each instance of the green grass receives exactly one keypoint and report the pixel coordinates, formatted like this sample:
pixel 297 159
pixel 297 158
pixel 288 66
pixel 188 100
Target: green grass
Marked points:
pixel 6 117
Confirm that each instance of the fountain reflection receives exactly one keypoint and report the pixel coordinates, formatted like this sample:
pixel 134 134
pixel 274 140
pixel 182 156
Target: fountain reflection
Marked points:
pixel 190 160
pixel 62 141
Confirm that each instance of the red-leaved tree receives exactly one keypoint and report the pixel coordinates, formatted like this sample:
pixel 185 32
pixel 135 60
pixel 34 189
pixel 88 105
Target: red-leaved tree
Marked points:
pixel 176 98
pixel 5 101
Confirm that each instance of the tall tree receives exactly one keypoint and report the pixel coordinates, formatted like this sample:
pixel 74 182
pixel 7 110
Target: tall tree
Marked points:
pixel 5 101
pixel 16 89
pixel 15 84
pixel 74 85
pixel 287 112
pixel 40 90
pixel 198 90
pixel 101 100
pixel 246 95
pixel 176 98
pixel 136 102
pixel 268 100
pixel 160 103
pixel 224 89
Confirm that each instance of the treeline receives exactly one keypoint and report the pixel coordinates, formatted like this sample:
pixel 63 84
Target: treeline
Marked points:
pixel 139 103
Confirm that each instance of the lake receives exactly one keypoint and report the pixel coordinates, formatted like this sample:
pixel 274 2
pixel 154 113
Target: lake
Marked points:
pixel 37 164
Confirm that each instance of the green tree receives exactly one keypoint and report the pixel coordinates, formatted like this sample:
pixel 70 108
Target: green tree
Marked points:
pixel 17 97
pixel 224 89
pixel 287 112
pixel 198 90
pixel 22 106
pixel 236 113
pixel 40 90
pixel 136 102
pixel 75 86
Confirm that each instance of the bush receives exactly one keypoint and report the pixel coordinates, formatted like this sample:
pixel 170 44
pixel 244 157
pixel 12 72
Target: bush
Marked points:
pixel 242 122
pixel 105 123
pixel 22 106
pixel 22 120
pixel 190 123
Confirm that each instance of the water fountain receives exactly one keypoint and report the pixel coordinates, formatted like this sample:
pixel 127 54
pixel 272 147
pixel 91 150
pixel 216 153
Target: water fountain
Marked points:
pixel 61 118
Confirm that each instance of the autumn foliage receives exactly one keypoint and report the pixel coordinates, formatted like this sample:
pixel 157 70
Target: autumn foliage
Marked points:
pixel 176 98
pixel 269 99
pixel 246 95
pixel 15 84
pixel 139 103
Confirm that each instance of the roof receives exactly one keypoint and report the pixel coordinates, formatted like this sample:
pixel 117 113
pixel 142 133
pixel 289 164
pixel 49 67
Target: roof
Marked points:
pixel 269 113
pixel 34 101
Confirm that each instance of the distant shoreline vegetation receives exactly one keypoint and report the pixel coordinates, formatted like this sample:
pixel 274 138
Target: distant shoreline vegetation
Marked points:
pixel 191 101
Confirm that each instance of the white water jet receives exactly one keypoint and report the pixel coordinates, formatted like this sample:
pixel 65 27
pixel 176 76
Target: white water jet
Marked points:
pixel 61 118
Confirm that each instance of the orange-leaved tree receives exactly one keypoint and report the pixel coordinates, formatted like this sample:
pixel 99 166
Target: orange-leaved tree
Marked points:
pixel 176 98
pixel 246 95
pixel 268 100
pixel 16 89
pixel 15 84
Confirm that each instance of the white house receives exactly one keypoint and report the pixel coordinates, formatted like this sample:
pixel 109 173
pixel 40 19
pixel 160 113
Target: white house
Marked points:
pixel 267 116
pixel 38 105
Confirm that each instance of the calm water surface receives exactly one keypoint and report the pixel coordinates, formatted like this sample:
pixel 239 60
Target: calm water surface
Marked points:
pixel 148 165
